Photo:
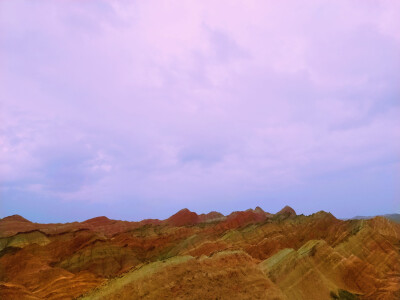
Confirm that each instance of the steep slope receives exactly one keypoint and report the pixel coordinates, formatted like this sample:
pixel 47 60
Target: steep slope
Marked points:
pixel 225 275
pixel 317 271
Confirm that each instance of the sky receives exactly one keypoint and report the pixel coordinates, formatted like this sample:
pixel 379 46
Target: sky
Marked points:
pixel 137 109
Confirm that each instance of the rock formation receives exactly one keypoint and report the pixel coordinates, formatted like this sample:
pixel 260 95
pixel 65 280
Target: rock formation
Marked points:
pixel 248 254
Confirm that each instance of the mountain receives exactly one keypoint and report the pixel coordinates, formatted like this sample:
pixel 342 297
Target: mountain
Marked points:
pixel 287 211
pixel 392 217
pixel 249 254
pixel 183 217
pixel 15 218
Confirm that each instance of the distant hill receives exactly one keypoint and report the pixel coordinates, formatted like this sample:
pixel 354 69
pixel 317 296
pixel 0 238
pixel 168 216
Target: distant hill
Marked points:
pixel 391 217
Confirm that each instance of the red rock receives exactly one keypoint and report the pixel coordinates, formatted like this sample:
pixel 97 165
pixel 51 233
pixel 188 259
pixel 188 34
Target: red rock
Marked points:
pixel 15 218
pixel 98 221
pixel 182 218
pixel 248 254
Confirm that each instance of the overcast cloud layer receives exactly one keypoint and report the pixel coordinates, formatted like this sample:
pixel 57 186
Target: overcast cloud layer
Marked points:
pixel 137 109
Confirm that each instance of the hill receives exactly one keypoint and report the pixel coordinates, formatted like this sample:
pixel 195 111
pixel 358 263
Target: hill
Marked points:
pixel 248 254
pixel 392 217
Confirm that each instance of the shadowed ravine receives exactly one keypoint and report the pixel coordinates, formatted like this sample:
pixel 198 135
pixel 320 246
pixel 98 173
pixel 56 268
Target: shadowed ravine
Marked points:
pixel 248 254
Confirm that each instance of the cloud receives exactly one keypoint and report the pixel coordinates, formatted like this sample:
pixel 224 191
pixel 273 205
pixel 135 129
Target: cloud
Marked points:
pixel 198 104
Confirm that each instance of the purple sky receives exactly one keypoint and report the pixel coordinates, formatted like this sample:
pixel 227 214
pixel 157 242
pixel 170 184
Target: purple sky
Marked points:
pixel 136 109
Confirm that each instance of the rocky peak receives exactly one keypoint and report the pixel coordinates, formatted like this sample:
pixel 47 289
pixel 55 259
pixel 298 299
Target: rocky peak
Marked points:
pixel 15 218
pixel 287 211
pixel 323 215
pixel 183 217
pixel 259 210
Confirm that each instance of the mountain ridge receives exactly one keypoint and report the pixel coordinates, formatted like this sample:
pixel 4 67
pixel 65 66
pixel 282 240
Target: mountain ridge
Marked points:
pixel 202 217
pixel 250 254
